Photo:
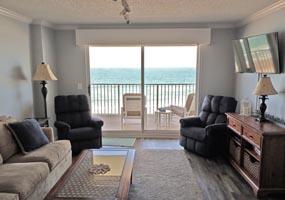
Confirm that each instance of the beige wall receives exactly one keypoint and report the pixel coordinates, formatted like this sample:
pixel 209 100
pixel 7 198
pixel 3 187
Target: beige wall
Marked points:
pixel 16 97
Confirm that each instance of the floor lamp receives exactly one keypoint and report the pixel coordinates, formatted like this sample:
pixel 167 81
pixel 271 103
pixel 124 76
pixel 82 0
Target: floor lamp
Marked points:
pixel 44 74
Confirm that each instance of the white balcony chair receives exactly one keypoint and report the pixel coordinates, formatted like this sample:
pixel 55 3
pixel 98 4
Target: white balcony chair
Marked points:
pixel 131 109
pixel 187 110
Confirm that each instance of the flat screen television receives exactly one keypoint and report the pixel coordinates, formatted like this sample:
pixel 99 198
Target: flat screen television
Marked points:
pixel 257 54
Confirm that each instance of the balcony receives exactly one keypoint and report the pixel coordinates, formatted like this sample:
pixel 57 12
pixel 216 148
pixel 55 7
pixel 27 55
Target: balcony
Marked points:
pixel 107 100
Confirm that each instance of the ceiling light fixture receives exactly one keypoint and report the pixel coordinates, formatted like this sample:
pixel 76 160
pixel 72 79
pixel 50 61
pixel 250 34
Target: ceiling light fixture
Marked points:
pixel 126 10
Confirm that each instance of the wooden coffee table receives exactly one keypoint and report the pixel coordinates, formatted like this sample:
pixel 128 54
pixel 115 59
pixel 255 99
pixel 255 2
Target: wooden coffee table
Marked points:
pixel 80 183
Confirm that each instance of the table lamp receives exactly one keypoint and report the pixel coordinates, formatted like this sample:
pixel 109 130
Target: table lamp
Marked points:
pixel 264 88
pixel 44 74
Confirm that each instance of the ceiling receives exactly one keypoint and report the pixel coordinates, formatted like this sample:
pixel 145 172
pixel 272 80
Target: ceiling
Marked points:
pixel 142 11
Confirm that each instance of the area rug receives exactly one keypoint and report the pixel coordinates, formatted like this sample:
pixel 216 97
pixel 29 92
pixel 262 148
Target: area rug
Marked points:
pixel 118 142
pixel 163 174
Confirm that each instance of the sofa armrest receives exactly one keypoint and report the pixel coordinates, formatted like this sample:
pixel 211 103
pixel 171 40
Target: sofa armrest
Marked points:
pixel 8 196
pixel 191 121
pixel 96 122
pixel 48 131
pixel 215 128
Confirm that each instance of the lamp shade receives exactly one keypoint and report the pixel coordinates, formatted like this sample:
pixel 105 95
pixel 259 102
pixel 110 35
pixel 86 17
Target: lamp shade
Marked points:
pixel 264 87
pixel 44 73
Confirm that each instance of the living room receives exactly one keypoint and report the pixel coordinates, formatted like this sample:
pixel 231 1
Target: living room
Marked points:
pixel 49 44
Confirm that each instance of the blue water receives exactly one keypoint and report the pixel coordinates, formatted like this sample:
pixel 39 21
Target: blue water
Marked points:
pixel 152 75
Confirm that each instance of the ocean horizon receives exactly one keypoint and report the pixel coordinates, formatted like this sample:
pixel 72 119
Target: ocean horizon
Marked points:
pixel 107 99
pixel 152 75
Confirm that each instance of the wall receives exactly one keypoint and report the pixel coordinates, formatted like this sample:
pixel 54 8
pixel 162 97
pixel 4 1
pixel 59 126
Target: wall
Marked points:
pixel 71 64
pixel 16 97
pixel 43 50
pixel 245 83
pixel 217 65
pixel 58 48
pixel 217 71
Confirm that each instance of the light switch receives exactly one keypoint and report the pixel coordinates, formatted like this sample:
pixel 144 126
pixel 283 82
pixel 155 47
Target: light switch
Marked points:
pixel 79 86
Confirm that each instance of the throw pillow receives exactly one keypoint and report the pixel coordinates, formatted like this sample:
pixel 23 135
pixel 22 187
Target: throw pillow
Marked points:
pixel 28 134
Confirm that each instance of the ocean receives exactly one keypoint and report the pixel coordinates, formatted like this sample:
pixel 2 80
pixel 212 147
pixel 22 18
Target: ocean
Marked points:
pixel 152 75
pixel 163 87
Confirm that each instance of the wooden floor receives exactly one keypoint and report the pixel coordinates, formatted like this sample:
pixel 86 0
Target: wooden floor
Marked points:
pixel 216 178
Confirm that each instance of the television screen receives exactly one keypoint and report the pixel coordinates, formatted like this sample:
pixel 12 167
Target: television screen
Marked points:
pixel 257 54
pixel 243 59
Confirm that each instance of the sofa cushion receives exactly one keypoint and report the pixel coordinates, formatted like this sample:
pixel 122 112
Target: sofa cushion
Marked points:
pixel 28 134
pixel 9 196
pixel 8 145
pixel 84 133
pixel 195 133
pixel 22 178
pixel 51 154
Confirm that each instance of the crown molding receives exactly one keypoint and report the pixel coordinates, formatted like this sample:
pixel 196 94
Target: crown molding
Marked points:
pixel 44 23
pixel 14 15
pixel 262 13
pixel 142 26
pixel 222 25
pixel 128 26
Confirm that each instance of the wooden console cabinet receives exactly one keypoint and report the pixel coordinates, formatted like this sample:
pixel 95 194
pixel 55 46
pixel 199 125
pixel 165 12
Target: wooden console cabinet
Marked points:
pixel 257 151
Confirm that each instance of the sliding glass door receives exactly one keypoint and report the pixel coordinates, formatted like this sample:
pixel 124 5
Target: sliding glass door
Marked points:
pixel 169 81
pixel 115 87
pixel 143 89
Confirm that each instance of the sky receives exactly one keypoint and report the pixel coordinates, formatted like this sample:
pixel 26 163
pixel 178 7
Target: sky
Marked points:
pixel 155 57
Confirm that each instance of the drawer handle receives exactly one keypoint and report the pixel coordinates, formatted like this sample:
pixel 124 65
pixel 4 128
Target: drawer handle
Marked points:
pixel 234 125
pixel 251 136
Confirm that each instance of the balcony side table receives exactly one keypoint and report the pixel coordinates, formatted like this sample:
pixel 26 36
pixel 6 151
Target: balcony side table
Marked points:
pixel 167 115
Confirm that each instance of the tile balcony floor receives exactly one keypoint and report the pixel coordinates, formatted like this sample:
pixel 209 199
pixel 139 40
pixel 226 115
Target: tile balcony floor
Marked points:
pixel 113 123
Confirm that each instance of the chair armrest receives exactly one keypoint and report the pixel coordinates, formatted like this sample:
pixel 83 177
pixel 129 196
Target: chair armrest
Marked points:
pixel 221 127
pixel 191 121
pixel 62 126
pixel 48 131
pixel 96 122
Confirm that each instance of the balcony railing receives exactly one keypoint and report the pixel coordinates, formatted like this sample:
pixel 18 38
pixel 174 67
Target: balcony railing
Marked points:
pixel 108 98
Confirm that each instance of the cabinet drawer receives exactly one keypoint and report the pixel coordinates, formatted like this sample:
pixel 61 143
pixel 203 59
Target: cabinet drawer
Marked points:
pixel 252 135
pixel 235 125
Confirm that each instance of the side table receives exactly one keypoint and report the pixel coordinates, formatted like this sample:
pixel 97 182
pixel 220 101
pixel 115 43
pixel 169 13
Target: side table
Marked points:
pixel 166 115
